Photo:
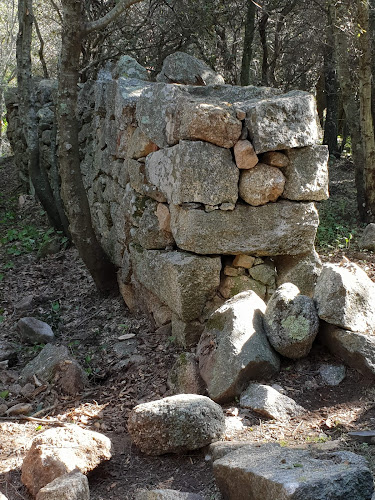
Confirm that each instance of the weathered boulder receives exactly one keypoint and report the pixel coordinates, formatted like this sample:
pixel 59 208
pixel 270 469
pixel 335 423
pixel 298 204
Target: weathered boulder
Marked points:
pixel 267 401
pixel 275 159
pixel 187 333
pixel 261 184
pixel 244 155
pixel 45 363
pixel 72 486
pixel 59 451
pixel 233 285
pixel 291 322
pixel 234 349
pixel 166 495
pixel 34 331
pixel 194 172
pixel 354 349
pixel 175 424
pixel 301 270
pixel 167 114
pixel 180 67
pixel 283 122
pixel 69 377
pixel 184 377
pixel 272 229
pixel 128 67
pixel 265 273
pixel 182 281
pixel 344 297
pixel 367 240
pixel 307 174
pixel 140 145
pixel 270 471
pixel 332 374
pixel 8 351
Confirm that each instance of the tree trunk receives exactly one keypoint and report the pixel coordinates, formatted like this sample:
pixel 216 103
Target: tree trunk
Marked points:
pixel 27 112
pixel 263 38
pixel 367 128
pixel 247 54
pixel 72 189
pixel 331 86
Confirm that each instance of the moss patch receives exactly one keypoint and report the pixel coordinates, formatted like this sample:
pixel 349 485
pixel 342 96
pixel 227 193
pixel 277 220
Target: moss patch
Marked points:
pixel 297 327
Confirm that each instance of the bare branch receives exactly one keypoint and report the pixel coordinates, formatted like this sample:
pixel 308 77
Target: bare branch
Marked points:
pixel 111 16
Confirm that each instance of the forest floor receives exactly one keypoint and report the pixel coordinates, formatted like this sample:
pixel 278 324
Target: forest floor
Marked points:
pixel 57 289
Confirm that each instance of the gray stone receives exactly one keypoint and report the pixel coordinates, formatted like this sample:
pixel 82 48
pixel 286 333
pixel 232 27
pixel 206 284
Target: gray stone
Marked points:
pixel 265 273
pixel 45 363
pixel 272 229
pixel 354 349
pixel 149 234
pixel 344 296
pixel 184 376
pixel 58 451
pixel 182 281
pixel 268 472
pixel 363 436
pixel 72 486
pixel 140 145
pixel 307 174
pixel 332 374
pixel 301 270
pixel 180 67
pixel 128 67
pixel 234 349
pixel 194 172
pixel 239 97
pixel 291 322
pixel 166 495
pixel 267 401
pixel 175 424
pixel 69 377
pixel 261 184
pixel 188 333
pixel 283 122
pixel 34 331
pixel 367 240
pixel 8 351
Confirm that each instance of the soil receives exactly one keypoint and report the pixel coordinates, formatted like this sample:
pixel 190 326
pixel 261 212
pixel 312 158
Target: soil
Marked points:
pixel 57 289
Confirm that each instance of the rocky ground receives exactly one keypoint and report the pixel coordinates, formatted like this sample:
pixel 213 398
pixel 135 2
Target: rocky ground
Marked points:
pixel 57 289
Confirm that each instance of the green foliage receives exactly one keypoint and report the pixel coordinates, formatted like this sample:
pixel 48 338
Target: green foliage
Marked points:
pixel 27 239
pixel 338 225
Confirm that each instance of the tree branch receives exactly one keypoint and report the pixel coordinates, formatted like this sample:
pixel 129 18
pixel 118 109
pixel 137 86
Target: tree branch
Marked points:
pixel 108 18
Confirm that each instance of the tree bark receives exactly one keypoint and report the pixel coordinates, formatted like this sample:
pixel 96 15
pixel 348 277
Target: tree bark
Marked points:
pixel 263 39
pixel 247 54
pixel 367 128
pixel 27 111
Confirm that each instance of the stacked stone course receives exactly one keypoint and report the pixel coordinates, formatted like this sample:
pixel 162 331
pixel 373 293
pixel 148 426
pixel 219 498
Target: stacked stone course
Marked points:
pixel 199 192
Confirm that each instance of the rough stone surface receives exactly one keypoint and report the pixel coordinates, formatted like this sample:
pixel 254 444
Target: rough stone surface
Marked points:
pixel 166 495
pixel 244 155
pixel 245 261
pixel 72 486
pixel 284 122
pixel 180 67
pixel 301 270
pixel 8 351
pixel 182 281
pixel 268 472
pixel 45 363
pixel 354 349
pixel 367 240
pixel 267 401
pixel 232 285
pixel 273 229
pixel 34 331
pixel 261 184
pixel 291 322
pixel 332 374
pixel 234 349
pixel 344 296
pixel 194 172
pixel 59 451
pixel 175 424
pixel 70 377
pixel 139 182
pixel 140 145
pixel 275 159
pixel 184 377
pixel 188 333
pixel 307 174
pixel 128 67
pixel 265 273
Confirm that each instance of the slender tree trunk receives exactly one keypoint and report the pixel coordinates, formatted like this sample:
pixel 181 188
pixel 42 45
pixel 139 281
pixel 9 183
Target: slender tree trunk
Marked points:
pixel 367 128
pixel 263 39
pixel 72 189
pixel 247 54
pixel 27 112
pixel 331 86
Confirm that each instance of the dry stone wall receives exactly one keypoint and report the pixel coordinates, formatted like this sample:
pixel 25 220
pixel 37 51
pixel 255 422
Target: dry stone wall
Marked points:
pixel 198 193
